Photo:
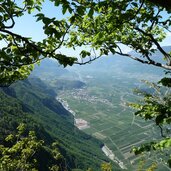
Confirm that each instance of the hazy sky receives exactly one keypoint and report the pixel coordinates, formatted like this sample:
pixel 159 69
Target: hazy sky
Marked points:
pixel 27 26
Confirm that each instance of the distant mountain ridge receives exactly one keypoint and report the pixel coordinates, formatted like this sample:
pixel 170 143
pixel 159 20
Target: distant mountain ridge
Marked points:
pixel 49 69
pixel 67 78
pixel 57 76
pixel 123 66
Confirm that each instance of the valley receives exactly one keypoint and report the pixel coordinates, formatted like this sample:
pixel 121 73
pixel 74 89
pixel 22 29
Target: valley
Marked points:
pixel 115 125
pixel 85 85
pixel 102 103
pixel 99 106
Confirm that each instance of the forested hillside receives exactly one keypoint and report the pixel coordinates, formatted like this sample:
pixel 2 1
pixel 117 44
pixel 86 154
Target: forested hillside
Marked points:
pixel 33 103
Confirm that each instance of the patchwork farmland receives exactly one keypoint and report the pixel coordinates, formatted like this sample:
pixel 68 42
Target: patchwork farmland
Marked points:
pixel 102 103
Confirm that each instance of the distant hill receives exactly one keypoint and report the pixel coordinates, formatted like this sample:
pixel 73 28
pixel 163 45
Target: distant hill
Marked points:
pixel 49 69
pixel 117 65
pixel 56 75
pixel 62 84
pixel 114 65
pixel 33 102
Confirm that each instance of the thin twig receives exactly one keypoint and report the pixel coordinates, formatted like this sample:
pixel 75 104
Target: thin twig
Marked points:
pixel 161 131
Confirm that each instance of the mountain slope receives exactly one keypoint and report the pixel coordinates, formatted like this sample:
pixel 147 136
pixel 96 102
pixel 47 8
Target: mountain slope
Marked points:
pixel 32 102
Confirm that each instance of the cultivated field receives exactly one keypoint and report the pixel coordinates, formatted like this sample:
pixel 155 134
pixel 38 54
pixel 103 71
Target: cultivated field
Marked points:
pixel 102 103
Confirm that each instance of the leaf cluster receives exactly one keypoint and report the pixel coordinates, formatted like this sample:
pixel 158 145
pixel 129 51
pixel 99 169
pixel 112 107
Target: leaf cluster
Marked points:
pixel 102 26
pixel 156 106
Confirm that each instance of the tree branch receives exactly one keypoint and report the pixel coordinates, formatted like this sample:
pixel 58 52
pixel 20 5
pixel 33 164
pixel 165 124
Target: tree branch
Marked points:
pixel 165 3
pixel 154 21
pixel 168 57
pixel 87 62
pixel 161 131
pixel 31 44
pixel 151 62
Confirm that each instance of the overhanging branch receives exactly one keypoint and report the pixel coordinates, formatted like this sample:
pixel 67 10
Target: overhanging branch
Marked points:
pixel 151 62
pixel 168 57
pixel 34 46
pixel 165 3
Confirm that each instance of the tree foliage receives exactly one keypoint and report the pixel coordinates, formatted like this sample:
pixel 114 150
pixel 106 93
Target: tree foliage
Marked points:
pixel 156 106
pixel 106 167
pixel 21 152
pixel 137 24
pixel 102 26
pixel 165 4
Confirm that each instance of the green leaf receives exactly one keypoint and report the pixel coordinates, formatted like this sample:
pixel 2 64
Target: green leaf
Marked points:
pixel 91 12
pixel 64 9
pixel 165 81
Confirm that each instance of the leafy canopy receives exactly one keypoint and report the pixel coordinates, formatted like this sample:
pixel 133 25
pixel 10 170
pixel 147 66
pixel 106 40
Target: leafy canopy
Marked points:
pixel 102 26
pixel 156 106
pixel 22 152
